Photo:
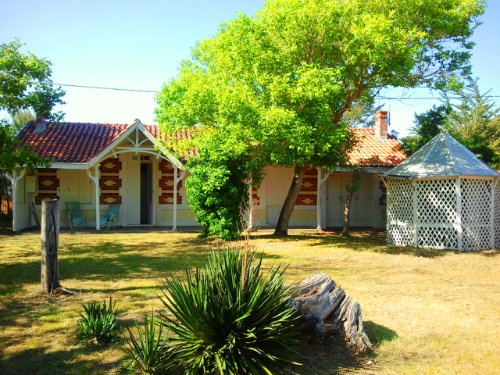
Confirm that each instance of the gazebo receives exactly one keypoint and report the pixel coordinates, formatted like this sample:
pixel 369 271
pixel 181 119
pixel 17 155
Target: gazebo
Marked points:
pixel 443 197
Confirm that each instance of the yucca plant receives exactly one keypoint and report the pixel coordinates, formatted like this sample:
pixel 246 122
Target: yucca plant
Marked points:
pixel 98 323
pixel 148 353
pixel 230 318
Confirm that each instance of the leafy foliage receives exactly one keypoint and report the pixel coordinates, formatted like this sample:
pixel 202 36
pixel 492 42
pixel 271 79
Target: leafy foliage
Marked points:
pixel 229 318
pixel 217 187
pixel 148 353
pixel 98 323
pixel 15 158
pixel 25 83
pixel 475 122
pixel 283 80
pixel 427 126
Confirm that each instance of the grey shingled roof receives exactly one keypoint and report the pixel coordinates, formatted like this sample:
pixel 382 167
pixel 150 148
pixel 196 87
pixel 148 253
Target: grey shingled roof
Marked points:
pixel 441 157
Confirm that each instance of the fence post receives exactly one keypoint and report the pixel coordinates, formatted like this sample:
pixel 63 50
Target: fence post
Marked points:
pixel 50 245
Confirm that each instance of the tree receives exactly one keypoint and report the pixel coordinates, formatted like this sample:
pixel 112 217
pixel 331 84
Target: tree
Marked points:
pixel 475 122
pixel 427 126
pixel 356 180
pixel 282 81
pixel 25 83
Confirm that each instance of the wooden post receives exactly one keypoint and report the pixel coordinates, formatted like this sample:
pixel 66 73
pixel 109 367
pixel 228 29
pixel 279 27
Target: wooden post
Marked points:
pixel 50 245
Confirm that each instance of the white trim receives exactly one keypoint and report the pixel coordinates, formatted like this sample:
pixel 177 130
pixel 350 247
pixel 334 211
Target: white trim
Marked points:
pixel 137 125
pixel 61 165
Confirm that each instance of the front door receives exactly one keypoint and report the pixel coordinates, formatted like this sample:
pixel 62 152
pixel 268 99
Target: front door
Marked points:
pixel 146 193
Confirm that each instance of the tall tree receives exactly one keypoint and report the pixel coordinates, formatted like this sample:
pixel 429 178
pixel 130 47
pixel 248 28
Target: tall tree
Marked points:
pixel 25 83
pixel 475 121
pixel 282 81
pixel 427 126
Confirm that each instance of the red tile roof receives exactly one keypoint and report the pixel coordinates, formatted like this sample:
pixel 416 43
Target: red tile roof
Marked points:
pixel 373 152
pixel 70 141
pixel 80 142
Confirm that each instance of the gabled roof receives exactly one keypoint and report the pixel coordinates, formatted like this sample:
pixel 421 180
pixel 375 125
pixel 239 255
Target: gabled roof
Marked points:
pixel 69 142
pixel 443 156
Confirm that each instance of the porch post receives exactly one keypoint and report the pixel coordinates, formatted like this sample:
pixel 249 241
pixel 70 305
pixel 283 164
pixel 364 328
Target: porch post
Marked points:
pixel 250 207
pixel 97 203
pixel 176 183
pixel 174 219
pixel 13 180
pixel 460 233
pixel 492 213
pixel 318 198
pixel 95 178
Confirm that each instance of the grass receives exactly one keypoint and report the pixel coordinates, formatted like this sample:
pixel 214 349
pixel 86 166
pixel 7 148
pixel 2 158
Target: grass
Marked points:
pixel 427 311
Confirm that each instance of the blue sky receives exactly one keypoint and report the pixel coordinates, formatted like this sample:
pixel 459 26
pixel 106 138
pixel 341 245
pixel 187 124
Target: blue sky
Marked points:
pixel 140 44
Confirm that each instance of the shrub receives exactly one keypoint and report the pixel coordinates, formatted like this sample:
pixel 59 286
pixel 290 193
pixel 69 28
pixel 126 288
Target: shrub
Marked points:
pixel 149 352
pixel 229 318
pixel 98 323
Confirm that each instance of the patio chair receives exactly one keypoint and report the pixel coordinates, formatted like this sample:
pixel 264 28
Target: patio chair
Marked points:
pixel 110 215
pixel 75 217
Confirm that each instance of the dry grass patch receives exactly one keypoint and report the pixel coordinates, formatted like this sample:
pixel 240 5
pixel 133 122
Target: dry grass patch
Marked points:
pixel 429 312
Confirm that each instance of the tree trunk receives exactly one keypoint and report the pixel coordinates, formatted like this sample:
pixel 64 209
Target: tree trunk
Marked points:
pixel 347 206
pixel 50 245
pixel 289 204
pixel 327 308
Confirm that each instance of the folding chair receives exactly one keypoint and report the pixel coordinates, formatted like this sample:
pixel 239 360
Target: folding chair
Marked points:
pixel 110 215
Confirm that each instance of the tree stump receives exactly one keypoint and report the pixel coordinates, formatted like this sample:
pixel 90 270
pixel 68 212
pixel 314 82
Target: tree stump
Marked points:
pixel 326 309
pixel 50 245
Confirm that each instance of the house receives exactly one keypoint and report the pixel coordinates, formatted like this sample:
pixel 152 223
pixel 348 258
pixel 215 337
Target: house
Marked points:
pixel 102 164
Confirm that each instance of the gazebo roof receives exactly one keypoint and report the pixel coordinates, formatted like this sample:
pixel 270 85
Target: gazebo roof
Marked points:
pixel 443 156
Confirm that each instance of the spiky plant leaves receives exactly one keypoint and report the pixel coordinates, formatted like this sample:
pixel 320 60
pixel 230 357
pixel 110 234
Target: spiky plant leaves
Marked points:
pixel 98 323
pixel 149 352
pixel 230 318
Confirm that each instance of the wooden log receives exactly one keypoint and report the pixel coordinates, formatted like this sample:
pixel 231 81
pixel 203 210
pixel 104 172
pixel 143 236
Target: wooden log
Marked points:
pixel 326 308
pixel 50 246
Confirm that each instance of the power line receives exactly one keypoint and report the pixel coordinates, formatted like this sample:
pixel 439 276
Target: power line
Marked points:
pixel 156 91
pixel 103 88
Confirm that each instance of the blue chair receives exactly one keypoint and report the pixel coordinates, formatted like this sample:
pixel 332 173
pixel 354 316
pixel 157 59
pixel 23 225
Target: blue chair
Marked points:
pixel 110 215
pixel 75 217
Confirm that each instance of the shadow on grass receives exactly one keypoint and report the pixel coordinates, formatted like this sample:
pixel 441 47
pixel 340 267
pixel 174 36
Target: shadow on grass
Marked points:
pixel 114 261
pixel 330 357
pixel 364 241
pixel 378 334
pixel 39 362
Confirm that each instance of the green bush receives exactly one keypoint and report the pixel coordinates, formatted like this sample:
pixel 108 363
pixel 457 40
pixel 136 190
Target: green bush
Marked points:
pixel 149 352
pixel 98 323
pixel 230 318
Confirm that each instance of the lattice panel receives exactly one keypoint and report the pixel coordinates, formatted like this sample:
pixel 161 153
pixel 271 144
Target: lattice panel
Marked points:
pixel 497 216
pixel 476 213
pixel 436 201
pixel 442 237
pixel 400 227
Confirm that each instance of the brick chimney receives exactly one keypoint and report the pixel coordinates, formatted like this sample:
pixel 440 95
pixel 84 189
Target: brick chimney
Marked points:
pixel 40 124
pixel 381 125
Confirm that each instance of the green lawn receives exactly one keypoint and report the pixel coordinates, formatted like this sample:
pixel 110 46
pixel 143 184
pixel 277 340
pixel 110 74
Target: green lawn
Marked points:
pixel 428 312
